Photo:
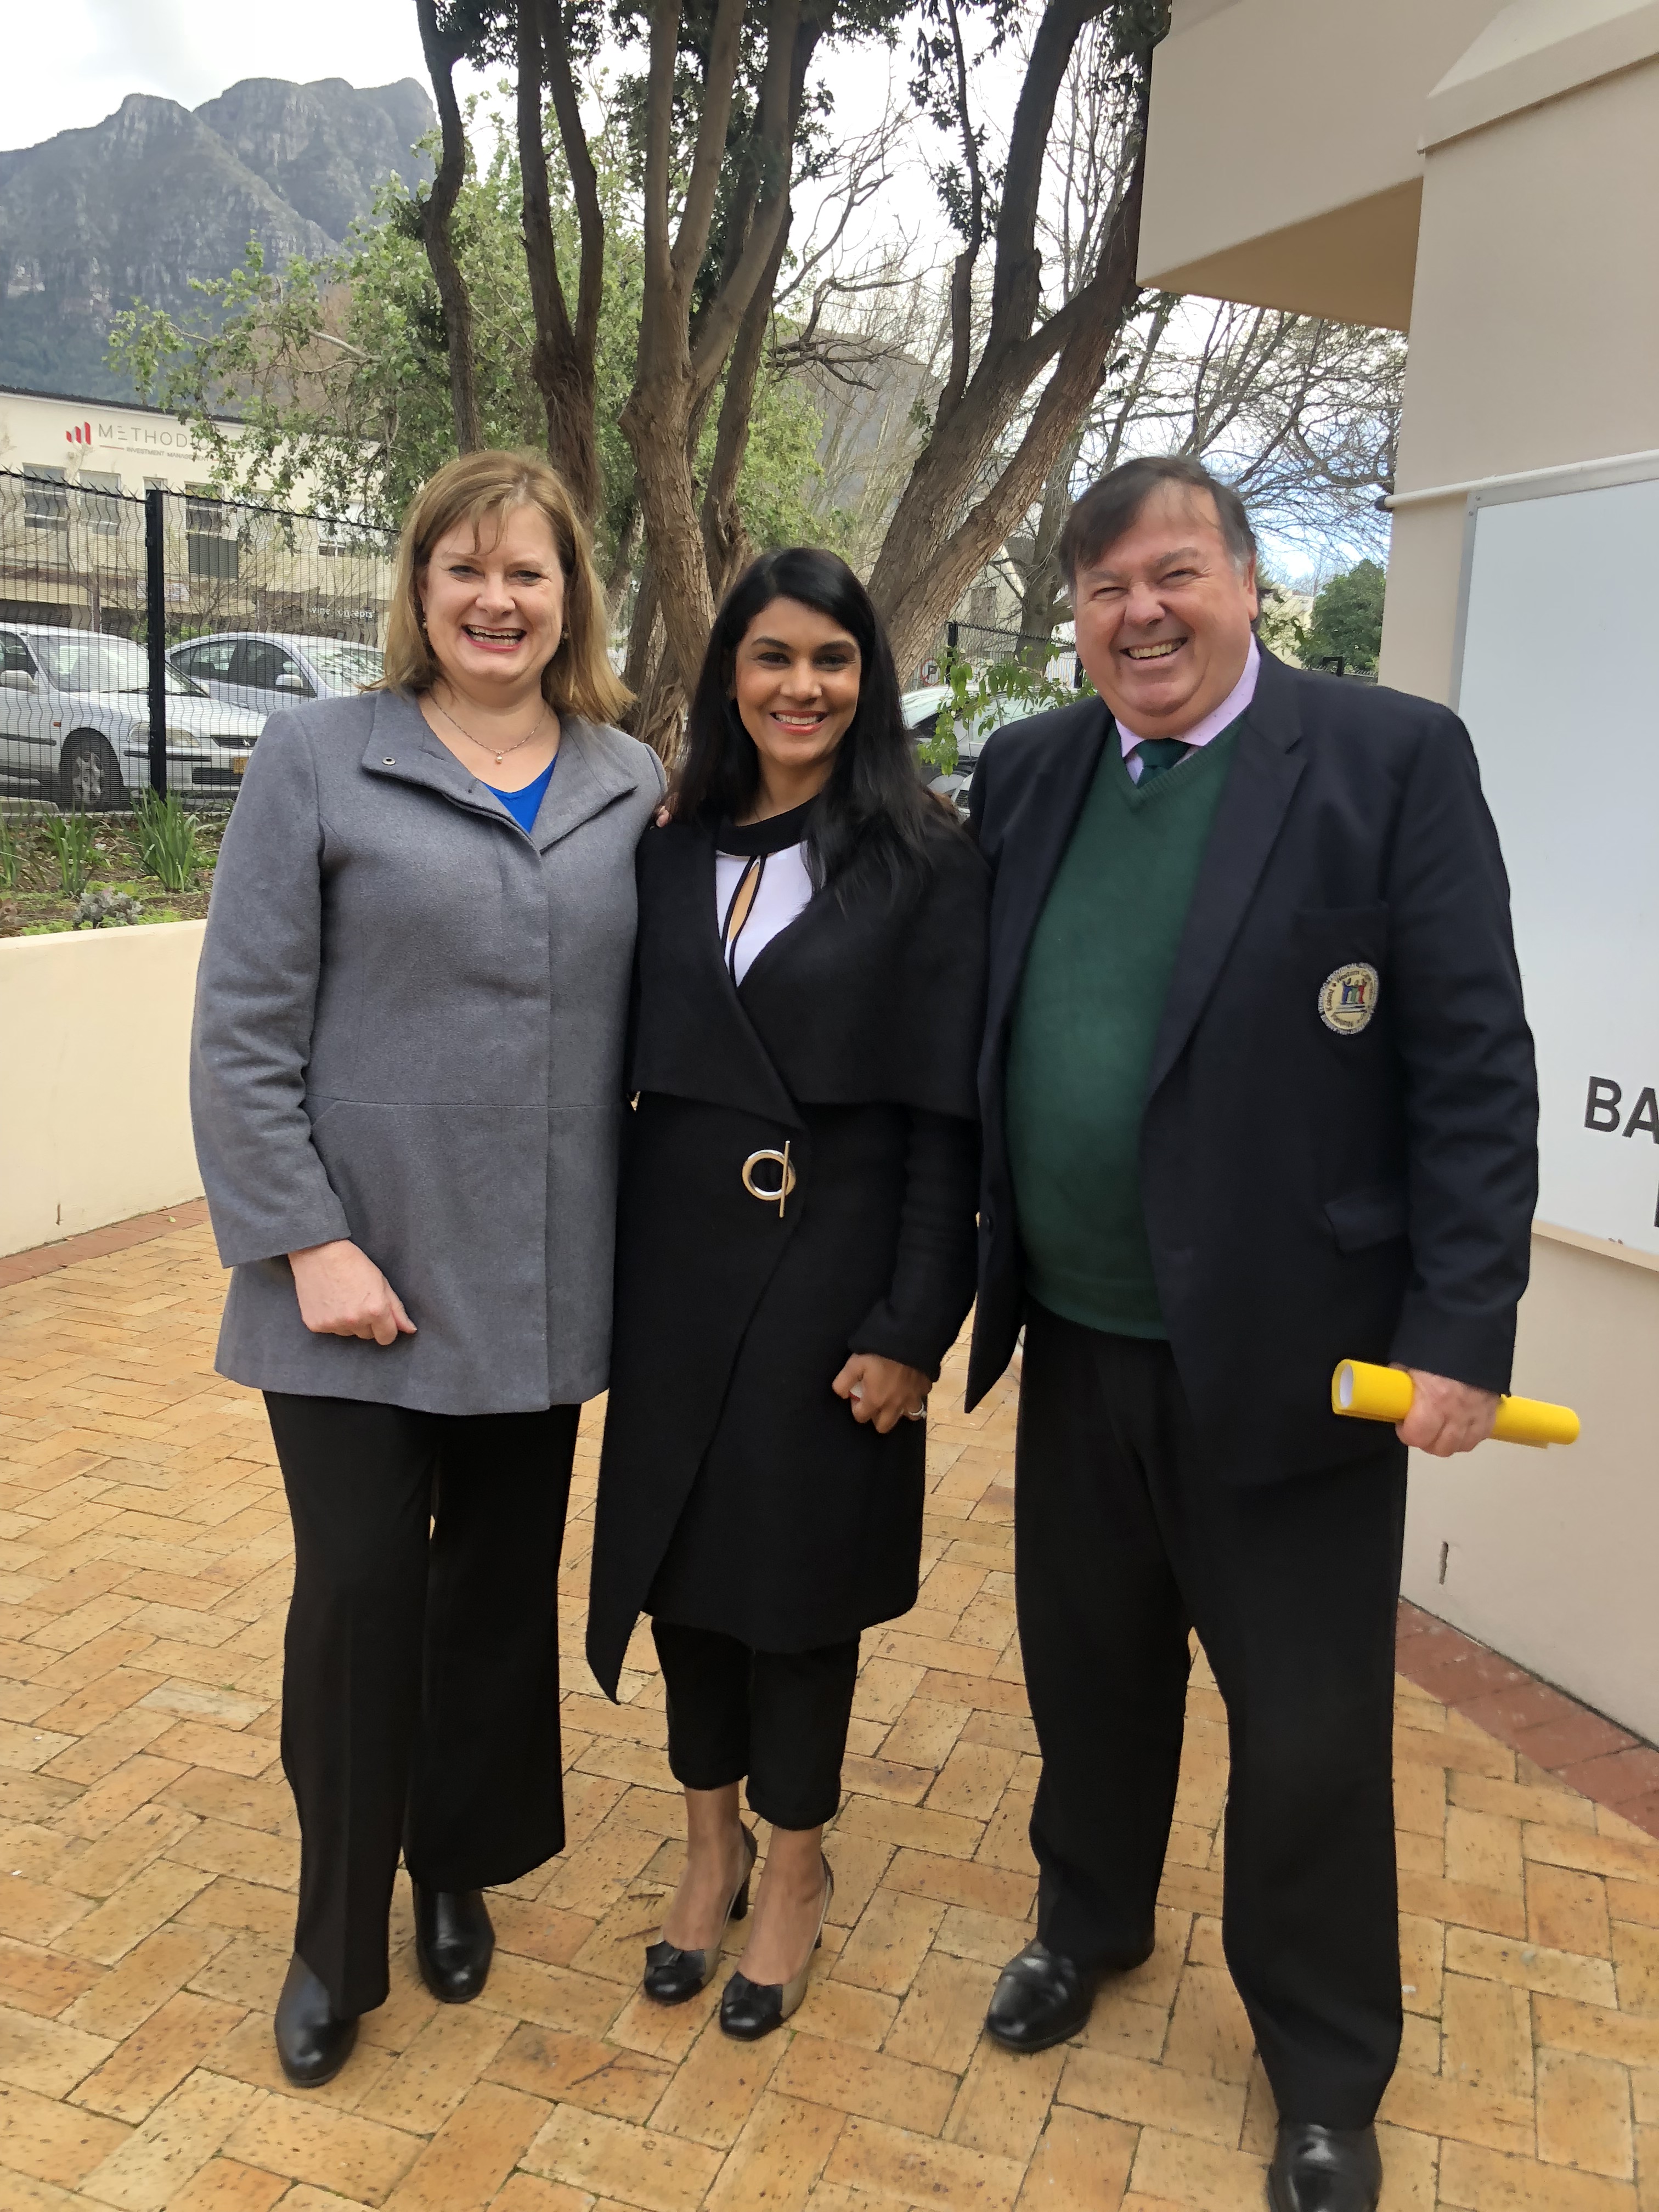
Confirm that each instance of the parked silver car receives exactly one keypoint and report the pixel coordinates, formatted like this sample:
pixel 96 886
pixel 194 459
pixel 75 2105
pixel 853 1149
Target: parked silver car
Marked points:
pixel 74 722
pixel 264 670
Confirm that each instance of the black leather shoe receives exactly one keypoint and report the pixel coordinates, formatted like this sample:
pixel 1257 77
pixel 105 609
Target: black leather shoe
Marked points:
pixel 750 2009
pixel 312 2044
pixel 1041 1997
pixel 672 1975
pixel 455 1943
pixel 1318 2169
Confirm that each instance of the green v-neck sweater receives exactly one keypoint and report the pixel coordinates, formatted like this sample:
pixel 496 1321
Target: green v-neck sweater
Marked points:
pixel 1084 1028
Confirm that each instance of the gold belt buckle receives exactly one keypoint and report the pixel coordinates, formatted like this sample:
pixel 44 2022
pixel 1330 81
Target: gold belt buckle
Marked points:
pixel 785 1178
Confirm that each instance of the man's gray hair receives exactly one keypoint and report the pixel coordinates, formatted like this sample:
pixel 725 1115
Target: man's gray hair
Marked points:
pixel 1110 508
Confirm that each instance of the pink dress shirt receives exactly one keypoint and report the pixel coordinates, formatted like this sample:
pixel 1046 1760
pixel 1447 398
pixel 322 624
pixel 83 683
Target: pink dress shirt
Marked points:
pixel 1218 718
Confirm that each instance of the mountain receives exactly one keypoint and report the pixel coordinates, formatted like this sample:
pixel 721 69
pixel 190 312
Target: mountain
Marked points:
pixel 156 195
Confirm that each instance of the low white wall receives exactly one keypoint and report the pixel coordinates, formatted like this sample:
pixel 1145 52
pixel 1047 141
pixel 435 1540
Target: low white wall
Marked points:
pixel 94 1110
pixel 1550 1555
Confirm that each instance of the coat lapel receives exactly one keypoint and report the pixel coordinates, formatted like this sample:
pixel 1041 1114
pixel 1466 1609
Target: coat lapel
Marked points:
pixel 695 1041
pixel 401 748
pixel 585 783
pixel 1265 773
pixel 1031 857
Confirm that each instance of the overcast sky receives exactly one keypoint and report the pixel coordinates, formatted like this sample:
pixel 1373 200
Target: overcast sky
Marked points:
pixel 73 63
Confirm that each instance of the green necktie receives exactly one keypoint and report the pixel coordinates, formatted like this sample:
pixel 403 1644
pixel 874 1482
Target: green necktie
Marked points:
pixel 1159 755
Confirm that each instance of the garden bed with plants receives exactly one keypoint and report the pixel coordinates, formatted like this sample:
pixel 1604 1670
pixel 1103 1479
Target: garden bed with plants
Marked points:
pixel 62 871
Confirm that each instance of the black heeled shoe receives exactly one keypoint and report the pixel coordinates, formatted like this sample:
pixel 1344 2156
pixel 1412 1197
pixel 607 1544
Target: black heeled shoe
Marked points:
pixel 751 2009
pixel 311 2042
pixel 672 1975
pixel 455 1943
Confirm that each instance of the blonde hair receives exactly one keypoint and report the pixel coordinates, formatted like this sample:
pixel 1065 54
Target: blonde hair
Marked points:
pixel 579 679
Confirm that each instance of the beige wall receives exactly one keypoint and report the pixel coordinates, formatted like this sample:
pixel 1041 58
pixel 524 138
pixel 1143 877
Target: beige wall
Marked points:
pixel 94 1114
pixel 1535 329
pixel 1534 341
pixel 1282 162
pixel 1552 1555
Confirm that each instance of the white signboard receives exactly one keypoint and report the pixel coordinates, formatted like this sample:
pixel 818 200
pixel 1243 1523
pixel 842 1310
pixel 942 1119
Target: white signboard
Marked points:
pixel 1560 690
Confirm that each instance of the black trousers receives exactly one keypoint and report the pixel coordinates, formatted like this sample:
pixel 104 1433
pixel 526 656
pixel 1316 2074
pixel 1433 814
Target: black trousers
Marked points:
pixel 779 1718
pixel 420 1666
pixel 1125 1542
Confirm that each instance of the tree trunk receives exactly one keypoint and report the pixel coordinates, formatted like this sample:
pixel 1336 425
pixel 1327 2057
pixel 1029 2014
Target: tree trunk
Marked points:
pixel 726 543
pixel 1040 600
pixel 675 373
pixel 623 560
pixel 934 550
pixel 437 210
pixel 564 377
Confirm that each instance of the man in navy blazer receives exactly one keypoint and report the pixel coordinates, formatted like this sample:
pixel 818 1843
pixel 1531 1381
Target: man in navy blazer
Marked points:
pixel 1258 1095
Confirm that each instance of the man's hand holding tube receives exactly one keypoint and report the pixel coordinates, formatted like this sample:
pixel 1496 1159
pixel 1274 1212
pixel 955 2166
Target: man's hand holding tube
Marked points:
pixel 1446 1417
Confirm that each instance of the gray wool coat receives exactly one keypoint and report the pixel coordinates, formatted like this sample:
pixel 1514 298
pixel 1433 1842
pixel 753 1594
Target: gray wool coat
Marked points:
pixel 410 1022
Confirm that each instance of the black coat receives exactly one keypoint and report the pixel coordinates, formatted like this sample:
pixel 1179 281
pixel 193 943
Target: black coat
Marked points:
pixel 1309 1195
pixel 737 1492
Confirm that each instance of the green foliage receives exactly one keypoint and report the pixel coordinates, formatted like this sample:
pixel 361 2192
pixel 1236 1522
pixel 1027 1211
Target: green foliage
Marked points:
pixel 1347 618
pixel 972 691
pixel 338 370
pixel 167 840
pixel 73 839
pixel 11 857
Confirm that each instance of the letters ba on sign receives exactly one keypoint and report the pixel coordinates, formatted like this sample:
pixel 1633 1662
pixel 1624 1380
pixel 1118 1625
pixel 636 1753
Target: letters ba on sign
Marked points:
pixel 1612 1110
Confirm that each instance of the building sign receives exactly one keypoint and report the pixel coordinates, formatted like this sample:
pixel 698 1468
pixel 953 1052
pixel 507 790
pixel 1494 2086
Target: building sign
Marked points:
pixel 158 435
pixel 1567 733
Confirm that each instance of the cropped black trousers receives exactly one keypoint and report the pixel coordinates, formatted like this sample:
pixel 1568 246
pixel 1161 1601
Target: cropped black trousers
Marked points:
pixel 779 1718
pixel 1126 1542
pixel 421 1666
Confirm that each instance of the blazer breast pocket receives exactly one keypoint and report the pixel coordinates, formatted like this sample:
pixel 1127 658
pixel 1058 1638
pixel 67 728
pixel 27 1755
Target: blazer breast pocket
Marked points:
pixel 1340 956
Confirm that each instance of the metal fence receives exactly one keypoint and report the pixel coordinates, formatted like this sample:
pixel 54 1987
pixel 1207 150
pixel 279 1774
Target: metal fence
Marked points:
pixel 980 643
pixel 144 641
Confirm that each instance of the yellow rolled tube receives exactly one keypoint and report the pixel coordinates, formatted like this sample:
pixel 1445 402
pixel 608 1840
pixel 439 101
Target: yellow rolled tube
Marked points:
pixel 1369 1393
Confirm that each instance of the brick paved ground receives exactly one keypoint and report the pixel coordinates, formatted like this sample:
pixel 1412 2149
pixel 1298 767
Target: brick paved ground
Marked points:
pixel 148 1858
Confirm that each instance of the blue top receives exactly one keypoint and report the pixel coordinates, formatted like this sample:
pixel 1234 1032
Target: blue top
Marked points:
pixel 523 806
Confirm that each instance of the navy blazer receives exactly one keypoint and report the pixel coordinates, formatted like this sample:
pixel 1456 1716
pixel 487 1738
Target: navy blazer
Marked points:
pixel 1312 1193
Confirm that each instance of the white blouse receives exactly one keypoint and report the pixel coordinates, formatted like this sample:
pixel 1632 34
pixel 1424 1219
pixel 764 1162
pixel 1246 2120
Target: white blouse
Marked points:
pixel 781 890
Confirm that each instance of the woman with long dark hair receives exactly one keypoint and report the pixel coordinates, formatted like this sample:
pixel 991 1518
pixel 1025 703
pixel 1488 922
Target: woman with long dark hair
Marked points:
pixel 795 1243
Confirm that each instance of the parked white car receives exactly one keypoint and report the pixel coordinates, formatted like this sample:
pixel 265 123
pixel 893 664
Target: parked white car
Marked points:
pixel 264 670
pixel 74 722
pixel 921 716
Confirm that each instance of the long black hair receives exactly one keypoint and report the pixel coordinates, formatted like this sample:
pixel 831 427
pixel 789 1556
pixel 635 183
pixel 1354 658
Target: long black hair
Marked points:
pixel 873 810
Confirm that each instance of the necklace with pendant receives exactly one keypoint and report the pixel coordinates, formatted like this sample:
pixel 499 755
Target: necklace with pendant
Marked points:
pixel 483 743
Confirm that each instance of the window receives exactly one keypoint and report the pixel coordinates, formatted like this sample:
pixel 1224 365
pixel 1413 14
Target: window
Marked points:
pixel 260 665
pixel 210 534
pixel 45 497
pixel 15 657
pixel 210 663
pixel 100 500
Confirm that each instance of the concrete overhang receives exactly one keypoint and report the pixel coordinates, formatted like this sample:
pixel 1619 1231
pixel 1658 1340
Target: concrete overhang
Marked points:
pixel 1536 50
pixel 1353 264
pixel 1283 164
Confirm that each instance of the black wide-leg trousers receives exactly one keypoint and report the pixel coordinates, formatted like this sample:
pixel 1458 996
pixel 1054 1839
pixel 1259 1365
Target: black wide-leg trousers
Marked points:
pixel 1125 1542
pixel 420 1666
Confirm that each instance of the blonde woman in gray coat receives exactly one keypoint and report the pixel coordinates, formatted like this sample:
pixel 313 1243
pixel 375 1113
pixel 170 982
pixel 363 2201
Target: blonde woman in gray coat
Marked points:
pixel 406 1084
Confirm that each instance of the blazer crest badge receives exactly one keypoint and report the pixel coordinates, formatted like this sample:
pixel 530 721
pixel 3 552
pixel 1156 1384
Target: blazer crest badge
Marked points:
pixel 1347 998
